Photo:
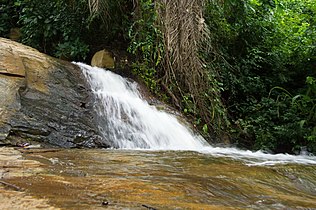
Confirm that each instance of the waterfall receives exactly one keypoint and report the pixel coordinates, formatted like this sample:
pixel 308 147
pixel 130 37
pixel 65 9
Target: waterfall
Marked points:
pixel 129 122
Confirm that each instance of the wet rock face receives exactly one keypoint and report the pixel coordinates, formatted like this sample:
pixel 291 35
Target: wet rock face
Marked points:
pixel 44 99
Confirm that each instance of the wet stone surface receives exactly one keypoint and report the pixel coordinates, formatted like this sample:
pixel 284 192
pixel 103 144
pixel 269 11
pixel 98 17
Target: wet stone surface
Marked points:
pixel 44 99
pixel 122 179
pixel 12 166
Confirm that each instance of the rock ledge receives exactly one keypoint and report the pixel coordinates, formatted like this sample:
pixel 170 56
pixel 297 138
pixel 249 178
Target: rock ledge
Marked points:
pixel 44 99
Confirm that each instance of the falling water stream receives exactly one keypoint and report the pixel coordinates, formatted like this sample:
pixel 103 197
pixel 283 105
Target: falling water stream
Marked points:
pixel 131 123
pixel 156 163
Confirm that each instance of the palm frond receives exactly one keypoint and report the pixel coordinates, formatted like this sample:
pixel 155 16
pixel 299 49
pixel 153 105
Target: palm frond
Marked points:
pixel 185 35
pixel 99 8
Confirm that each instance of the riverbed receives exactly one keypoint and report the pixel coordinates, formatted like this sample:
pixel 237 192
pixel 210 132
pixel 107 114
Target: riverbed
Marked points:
pixel 140 179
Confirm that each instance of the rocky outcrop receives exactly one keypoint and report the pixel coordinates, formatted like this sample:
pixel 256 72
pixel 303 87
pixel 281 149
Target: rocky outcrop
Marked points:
pixel 103 59
pixel 15 34
pixel 44 99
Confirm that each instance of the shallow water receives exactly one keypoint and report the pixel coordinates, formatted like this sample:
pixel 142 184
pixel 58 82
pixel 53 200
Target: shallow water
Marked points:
pixel 83 179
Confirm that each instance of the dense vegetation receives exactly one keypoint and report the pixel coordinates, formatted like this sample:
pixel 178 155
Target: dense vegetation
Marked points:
pixel 269 84
pixel 62 28
pixel 243 70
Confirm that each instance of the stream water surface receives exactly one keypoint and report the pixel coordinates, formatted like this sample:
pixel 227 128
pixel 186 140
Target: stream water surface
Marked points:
pixel 134 179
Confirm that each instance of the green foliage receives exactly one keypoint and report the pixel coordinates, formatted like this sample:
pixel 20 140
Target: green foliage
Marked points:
pixel 53 27
pixel 268 44
pixel 146 43
pixel 50 26
pixel 146 38
pixel 72 49
pixel 147 75
pixel 284 123
pixel 205 129
pixel 65 28
pixel 189 107
pixel 9 16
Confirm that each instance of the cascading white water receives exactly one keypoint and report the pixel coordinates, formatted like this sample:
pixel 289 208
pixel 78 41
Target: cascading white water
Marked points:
pixel 129 122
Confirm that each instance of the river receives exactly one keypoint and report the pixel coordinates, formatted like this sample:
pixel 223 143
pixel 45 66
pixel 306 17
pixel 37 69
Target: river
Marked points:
pixel 135 179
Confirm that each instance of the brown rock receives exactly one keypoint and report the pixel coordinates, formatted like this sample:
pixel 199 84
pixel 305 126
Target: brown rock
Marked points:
pixel 11 63
pixel 9 101
pixel 15 34
pixel 13 166
pixel 44 99
pixel 103 59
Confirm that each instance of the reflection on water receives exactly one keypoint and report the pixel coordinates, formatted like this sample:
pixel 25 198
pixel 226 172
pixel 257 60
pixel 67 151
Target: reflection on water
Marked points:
pixel 83 179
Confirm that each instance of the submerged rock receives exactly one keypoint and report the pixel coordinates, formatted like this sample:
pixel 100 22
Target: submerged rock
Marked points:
pixel 44 99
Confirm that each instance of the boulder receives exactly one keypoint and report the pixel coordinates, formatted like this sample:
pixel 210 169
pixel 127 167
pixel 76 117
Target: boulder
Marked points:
pixel 44 99
pixel 15 34
pixel 103 59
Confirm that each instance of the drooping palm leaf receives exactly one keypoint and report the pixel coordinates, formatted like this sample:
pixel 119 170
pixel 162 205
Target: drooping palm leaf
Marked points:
pixel 99 8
